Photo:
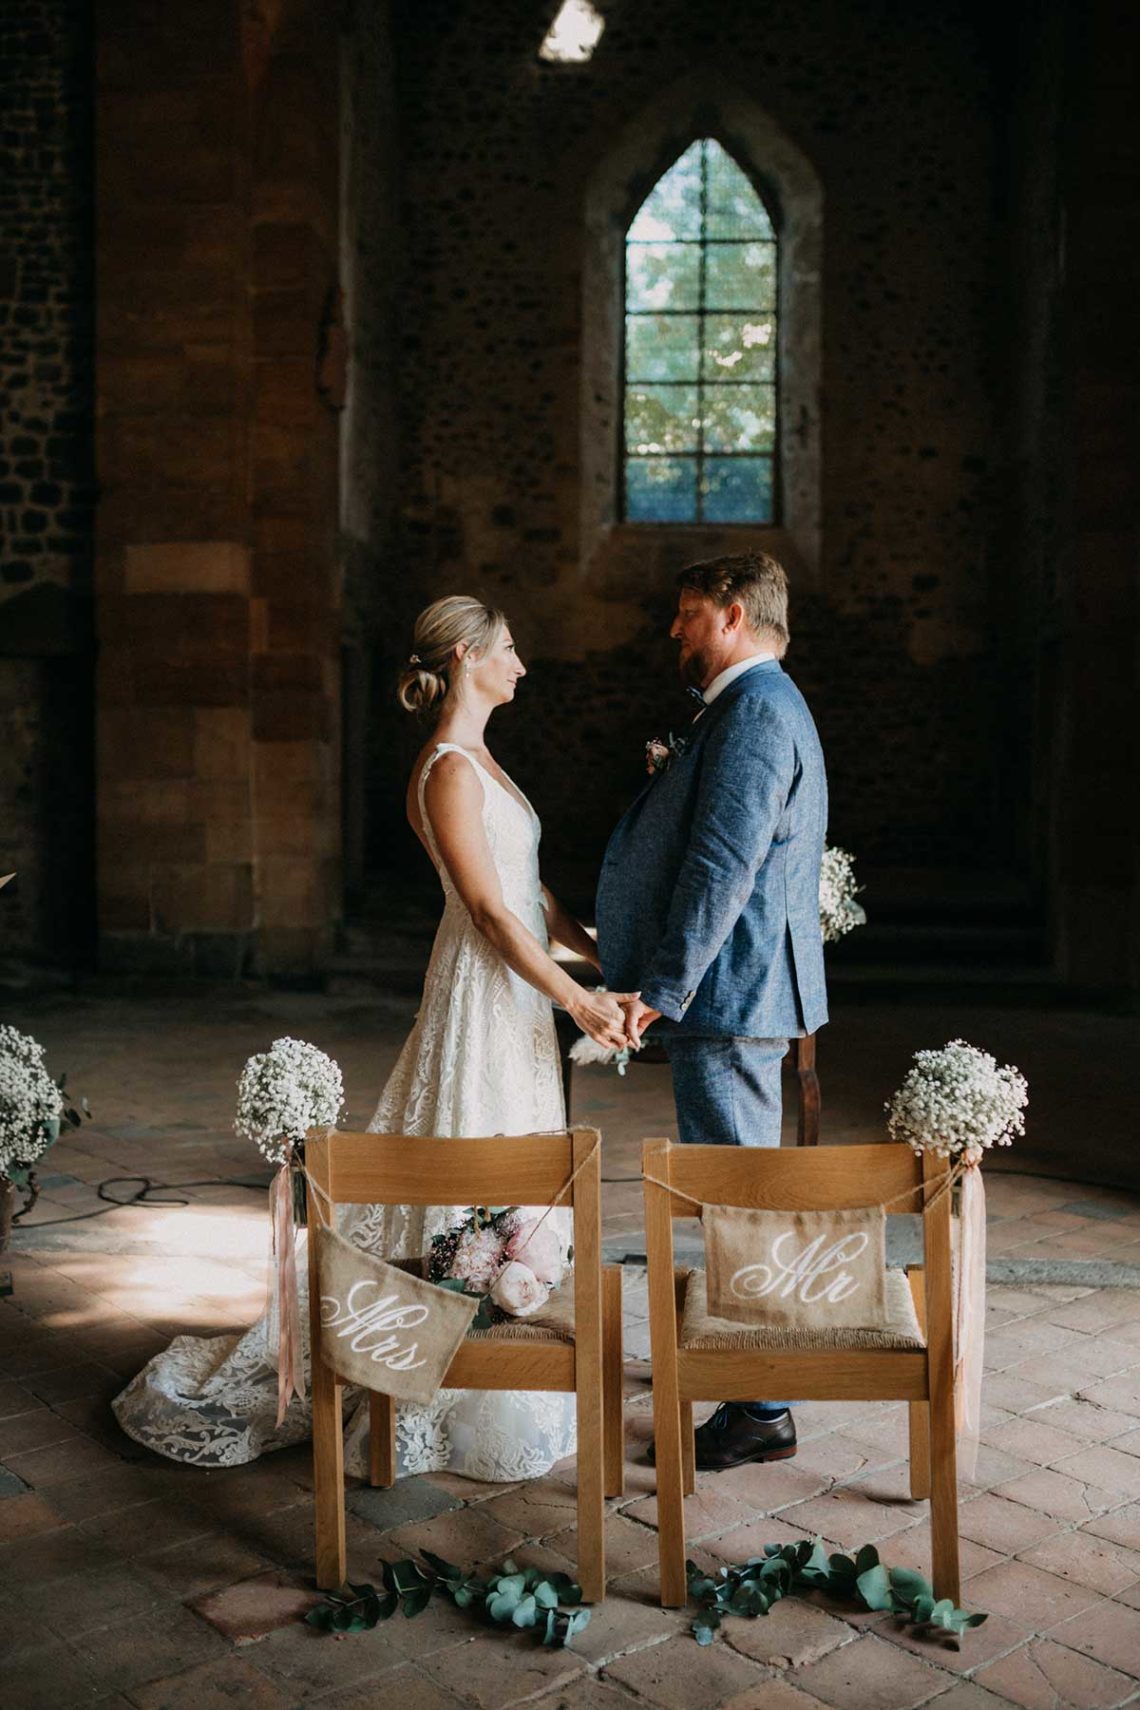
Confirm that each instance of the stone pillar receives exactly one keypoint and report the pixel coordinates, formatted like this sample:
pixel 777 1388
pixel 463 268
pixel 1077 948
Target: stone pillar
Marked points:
pixel 216 591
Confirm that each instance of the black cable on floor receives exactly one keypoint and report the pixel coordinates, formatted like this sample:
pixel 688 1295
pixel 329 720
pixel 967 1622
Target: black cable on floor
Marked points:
pixel 142 1197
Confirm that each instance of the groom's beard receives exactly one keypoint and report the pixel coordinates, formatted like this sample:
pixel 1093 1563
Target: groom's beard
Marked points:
pixel 694 669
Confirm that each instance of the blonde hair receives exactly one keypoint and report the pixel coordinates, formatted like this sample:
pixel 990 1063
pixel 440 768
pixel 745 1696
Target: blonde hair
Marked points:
pixel 440 629
pixel 755 580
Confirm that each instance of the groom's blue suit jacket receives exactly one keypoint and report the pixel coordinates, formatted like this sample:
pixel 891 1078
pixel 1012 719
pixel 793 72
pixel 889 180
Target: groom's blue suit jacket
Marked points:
pixel 708 902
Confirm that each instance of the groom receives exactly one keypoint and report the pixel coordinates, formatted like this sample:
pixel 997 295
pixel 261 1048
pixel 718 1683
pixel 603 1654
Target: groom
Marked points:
pixel 708 902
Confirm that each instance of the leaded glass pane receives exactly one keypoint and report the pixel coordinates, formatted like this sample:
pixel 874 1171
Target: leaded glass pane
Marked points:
pixel 739 347
pixel 740 418
pixel 737 490
pixel 672 208
pixel 662 347
pixel 661 489
pixel 740 276
pixel 661 418
pixel 663 276
pixel 701 347
pixel 732 207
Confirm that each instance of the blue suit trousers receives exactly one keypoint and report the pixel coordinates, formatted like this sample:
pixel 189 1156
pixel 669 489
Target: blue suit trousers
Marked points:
pixel 727 1093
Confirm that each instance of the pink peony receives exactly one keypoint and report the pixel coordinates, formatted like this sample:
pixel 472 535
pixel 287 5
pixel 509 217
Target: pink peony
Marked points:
pixel 477 1257
pixel 519 1292
pixel 539 1246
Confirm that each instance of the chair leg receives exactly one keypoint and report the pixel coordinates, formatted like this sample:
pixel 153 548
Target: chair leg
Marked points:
pixel 946 1574
pixel 919 1419
pixel 688 1450
pixel 381 1440
pixel 328 1477
pixel 591 1495
pixel 919 1411
pixel 670 1497
pixel 613 1398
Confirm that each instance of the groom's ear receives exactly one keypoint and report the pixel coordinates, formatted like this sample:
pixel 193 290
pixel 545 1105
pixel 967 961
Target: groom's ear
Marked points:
pixel 734 616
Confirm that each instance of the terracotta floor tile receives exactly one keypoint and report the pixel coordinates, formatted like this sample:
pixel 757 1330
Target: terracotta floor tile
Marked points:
pixel 1032 1439
pixel 912 1549
pixel 629 1545
pixel 768 1487
pixel 1108 1632
pixel 792 1634
pixel 1002 1525
pixel 305 1664
pixel 148 1646
pixel 1058 1495
pixel 1095 1562
pixel 406 1686
pixel 772 1694
pixel 1043 1675
pixel 25 1517
pixel 870 1674
pixel 997 1635
pixel 496 1670
pixel 850 1516
pixel 1018 1393
pixel 1028 1595
pixel 1099 1311
pixel 680 1674
pixel 467 1535
pixel 745 1541
pixel 1107 1468
pixel 709 1510
pixel 217 1685
pixel 1121 1526
pixel 1091 1424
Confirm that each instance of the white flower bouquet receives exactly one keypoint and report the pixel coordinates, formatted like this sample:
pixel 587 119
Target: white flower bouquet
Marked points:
pixel 838 909
pixel 510 1257
pixel 957 1102
pixel 285 1091
pixel 33 1107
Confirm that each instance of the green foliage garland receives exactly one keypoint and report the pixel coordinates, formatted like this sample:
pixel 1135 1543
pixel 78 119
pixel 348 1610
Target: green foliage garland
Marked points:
pixel 752 1588
pixel 546 1603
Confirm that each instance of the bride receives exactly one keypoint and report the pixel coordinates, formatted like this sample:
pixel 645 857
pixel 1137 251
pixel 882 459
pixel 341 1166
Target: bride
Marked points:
pixel 481 1059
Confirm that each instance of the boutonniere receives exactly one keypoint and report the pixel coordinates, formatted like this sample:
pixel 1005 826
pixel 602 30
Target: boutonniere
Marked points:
pixel 658 754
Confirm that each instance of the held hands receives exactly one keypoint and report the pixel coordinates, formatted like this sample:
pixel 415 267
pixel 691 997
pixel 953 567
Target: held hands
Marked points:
pixel 638 1016
pixel 603 1016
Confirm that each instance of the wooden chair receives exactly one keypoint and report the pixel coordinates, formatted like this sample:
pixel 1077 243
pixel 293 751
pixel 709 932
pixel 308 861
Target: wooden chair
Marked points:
pixel 577 1348
pixel 695 1356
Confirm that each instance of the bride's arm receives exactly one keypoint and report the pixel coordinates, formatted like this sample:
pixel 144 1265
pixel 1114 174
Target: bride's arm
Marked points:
pixel 565 929
pixel 453 798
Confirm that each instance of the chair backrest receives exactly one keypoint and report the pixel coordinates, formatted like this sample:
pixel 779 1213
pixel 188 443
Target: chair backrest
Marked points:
pixel 401 1169
pixel 801 1179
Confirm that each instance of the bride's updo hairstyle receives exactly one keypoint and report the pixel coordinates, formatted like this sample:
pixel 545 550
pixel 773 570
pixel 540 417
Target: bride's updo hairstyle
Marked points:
pixel 440 628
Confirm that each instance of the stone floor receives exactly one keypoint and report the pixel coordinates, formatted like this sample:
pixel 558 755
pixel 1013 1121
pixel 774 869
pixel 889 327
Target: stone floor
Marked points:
pixel 128 1581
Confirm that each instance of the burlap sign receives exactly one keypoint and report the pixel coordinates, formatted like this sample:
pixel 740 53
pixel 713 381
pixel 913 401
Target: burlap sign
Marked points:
pixel 383 1328
pixel 797 1269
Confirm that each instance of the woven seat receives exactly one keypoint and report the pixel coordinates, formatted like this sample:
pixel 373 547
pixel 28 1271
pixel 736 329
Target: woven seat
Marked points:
pixel 699 1330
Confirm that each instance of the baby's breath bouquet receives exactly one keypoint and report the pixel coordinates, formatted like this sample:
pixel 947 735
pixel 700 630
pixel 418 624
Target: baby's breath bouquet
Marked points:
pixel 285 1091
pixel 957 1102
pixel 33 1109
pixel 838 910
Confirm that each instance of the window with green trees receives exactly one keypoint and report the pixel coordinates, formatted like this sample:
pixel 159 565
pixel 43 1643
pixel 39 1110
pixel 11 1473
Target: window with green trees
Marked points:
pixel 700 400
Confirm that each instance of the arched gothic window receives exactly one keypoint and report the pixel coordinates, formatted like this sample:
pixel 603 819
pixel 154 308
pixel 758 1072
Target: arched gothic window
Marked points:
pixel 700 402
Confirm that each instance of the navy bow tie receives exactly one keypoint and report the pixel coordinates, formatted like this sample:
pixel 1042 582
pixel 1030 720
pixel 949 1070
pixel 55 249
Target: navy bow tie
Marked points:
pixel 697 694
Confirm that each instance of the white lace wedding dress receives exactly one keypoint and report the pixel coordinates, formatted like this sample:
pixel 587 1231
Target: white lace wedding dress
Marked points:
pixel 481 1059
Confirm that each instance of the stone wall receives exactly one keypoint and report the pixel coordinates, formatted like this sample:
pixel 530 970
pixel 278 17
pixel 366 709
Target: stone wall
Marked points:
pixel 45 480
pixel 898 112
pixel 218 594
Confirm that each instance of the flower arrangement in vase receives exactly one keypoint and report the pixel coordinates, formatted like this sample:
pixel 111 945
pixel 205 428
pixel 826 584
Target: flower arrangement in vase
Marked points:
pixel 33 1110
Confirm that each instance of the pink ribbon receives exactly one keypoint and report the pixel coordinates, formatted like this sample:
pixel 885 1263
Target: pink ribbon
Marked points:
pixel 290 1349
pixel 970 1318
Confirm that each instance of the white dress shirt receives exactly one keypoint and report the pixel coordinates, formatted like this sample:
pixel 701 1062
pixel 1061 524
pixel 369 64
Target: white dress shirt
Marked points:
pixel 721 682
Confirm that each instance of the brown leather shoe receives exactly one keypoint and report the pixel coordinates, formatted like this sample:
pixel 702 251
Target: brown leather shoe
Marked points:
pixel 731 1436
